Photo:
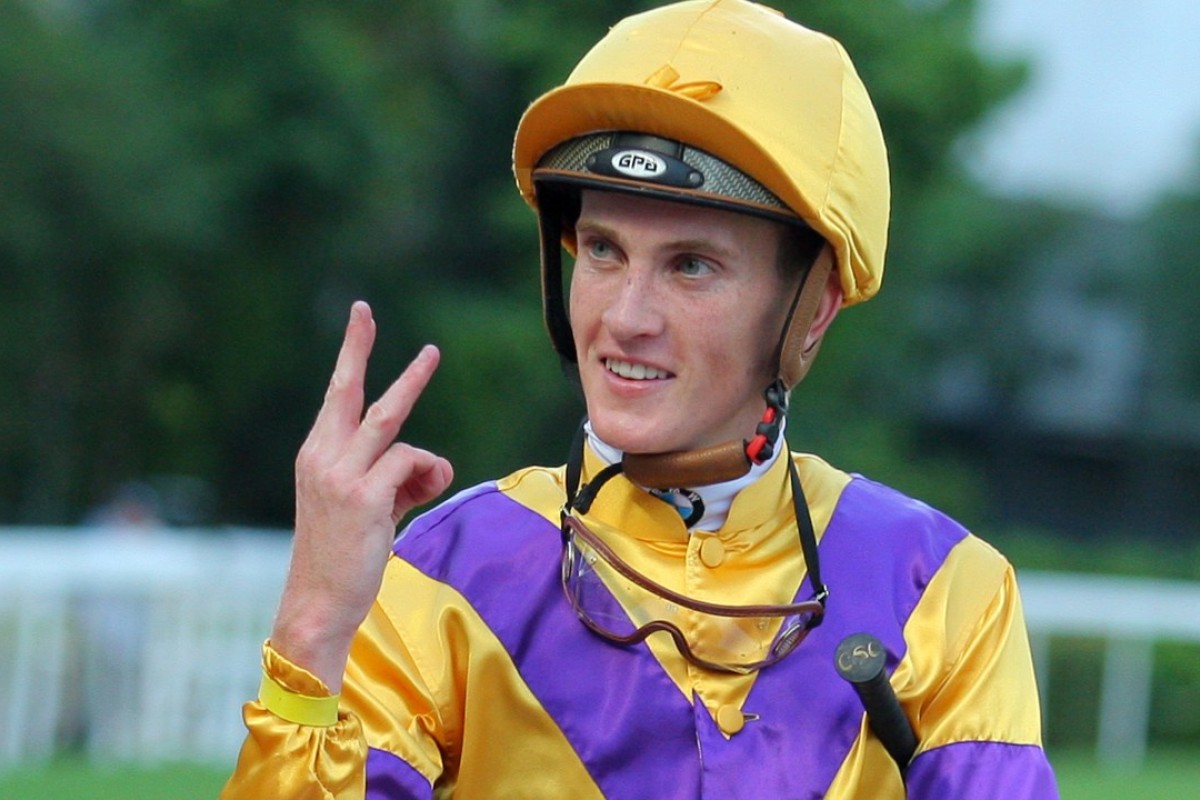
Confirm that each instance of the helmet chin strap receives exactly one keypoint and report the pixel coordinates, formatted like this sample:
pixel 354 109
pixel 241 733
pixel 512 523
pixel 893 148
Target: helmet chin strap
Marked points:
pixel 716 464
pixel 794 358
pixel 731 460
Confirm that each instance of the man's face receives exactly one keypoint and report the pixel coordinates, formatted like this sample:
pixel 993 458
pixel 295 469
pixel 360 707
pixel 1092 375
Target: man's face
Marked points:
pixel 676 312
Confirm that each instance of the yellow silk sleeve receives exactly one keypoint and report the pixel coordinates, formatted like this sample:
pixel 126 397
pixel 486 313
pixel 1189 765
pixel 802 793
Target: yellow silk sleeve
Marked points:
pixel 433 685
pixel 419 655
pixel 968 674
pixel 288 761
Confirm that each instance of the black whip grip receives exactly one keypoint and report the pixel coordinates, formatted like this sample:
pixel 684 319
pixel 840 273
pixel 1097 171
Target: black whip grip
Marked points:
pixel 862 661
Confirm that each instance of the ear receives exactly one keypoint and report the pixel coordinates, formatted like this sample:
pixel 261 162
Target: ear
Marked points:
pixel 819 300
pixel 827 308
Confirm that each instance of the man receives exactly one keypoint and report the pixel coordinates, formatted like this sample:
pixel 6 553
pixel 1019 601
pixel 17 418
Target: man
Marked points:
pixel 657 618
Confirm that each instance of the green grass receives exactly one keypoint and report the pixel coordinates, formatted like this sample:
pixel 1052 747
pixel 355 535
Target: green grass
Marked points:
pixel 70 779
pixel 1166 773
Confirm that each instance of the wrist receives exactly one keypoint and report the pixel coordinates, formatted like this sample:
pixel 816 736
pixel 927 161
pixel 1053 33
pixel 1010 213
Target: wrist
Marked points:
pixel 312 646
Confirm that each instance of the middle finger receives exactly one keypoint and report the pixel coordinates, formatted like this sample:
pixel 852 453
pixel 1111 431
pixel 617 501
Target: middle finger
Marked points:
pixel 385 417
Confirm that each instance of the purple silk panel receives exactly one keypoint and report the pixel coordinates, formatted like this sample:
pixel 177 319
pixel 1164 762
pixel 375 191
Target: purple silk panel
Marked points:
pixel 983 770
pixel 626 720
pixel 877 556
pixel 637 734
pixel 390 778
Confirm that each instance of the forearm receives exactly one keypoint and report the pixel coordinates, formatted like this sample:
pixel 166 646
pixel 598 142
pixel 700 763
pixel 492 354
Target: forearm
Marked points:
pixel 303 635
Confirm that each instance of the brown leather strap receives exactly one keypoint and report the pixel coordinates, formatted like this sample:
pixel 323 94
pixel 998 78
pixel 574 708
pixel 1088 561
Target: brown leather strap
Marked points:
pixel 716 464
pixel 794 360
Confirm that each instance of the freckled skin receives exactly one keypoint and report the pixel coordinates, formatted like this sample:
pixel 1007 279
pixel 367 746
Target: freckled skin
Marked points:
pixel 691 291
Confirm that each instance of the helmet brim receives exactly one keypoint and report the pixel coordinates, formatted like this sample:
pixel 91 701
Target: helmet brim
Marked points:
pixel 579 109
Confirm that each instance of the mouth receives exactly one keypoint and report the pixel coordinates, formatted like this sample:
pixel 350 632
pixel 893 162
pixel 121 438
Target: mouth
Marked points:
pixel 634 372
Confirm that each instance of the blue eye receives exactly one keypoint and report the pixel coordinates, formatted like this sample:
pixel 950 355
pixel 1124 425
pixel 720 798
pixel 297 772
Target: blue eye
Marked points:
pixel 599 248
pixel 694 267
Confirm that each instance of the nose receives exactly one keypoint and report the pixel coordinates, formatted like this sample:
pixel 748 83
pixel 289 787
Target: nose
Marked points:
pixel 633 309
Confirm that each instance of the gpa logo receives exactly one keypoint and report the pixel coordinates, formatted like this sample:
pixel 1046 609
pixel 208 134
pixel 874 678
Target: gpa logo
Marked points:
pixel 638 164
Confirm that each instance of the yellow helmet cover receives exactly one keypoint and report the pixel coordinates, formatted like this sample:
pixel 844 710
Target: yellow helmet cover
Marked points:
pixel 738 80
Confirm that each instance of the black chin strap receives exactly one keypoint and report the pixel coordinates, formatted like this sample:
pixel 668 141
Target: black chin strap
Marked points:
pixel 580 498
pixel 808 536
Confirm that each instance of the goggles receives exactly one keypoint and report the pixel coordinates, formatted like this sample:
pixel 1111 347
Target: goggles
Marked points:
pixel 619 604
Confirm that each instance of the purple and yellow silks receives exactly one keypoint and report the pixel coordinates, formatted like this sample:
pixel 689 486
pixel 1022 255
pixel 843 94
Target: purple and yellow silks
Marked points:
pixel 473 676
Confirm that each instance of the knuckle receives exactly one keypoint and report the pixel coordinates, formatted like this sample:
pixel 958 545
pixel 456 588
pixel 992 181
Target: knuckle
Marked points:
pixel 333 489
pixel 401 449
pixel 381 417
pixel 341 386
pixel 306 458
pixel 358 495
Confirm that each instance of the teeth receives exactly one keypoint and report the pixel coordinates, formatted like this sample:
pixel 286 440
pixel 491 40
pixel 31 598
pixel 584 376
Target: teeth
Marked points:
pixel 637 372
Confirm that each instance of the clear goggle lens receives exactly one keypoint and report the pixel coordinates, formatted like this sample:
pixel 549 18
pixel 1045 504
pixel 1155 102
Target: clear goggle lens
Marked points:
pixel 623 606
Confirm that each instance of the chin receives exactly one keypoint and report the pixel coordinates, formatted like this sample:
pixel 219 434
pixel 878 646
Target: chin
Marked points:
pixel 634 439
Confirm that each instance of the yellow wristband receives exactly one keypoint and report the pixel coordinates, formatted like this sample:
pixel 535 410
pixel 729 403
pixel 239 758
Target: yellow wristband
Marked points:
pixel 298 708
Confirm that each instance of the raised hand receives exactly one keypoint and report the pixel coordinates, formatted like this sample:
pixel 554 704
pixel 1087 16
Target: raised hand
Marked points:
pixel 354 483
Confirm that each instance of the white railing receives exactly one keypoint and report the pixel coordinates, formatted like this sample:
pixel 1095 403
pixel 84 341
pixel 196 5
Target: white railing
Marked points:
pixel 137 645
pixel 1130 615
pixel 143 646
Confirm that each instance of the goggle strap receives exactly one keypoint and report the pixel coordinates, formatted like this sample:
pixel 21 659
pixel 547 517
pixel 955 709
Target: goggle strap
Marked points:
pixel 808 539
pixel 574 468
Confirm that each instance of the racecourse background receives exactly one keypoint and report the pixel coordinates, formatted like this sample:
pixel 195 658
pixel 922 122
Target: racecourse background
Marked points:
pixel 139 644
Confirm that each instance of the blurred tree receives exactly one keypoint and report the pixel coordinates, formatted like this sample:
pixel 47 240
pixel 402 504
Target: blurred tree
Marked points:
pixel 931 86
pixel 193 192
pixel 1170 295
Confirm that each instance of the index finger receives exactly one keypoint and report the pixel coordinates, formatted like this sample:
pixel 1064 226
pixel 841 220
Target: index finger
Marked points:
pixel 343 407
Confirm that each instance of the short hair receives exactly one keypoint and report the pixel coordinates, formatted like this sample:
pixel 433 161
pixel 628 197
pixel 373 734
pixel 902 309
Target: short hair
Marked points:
pixel 799 246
